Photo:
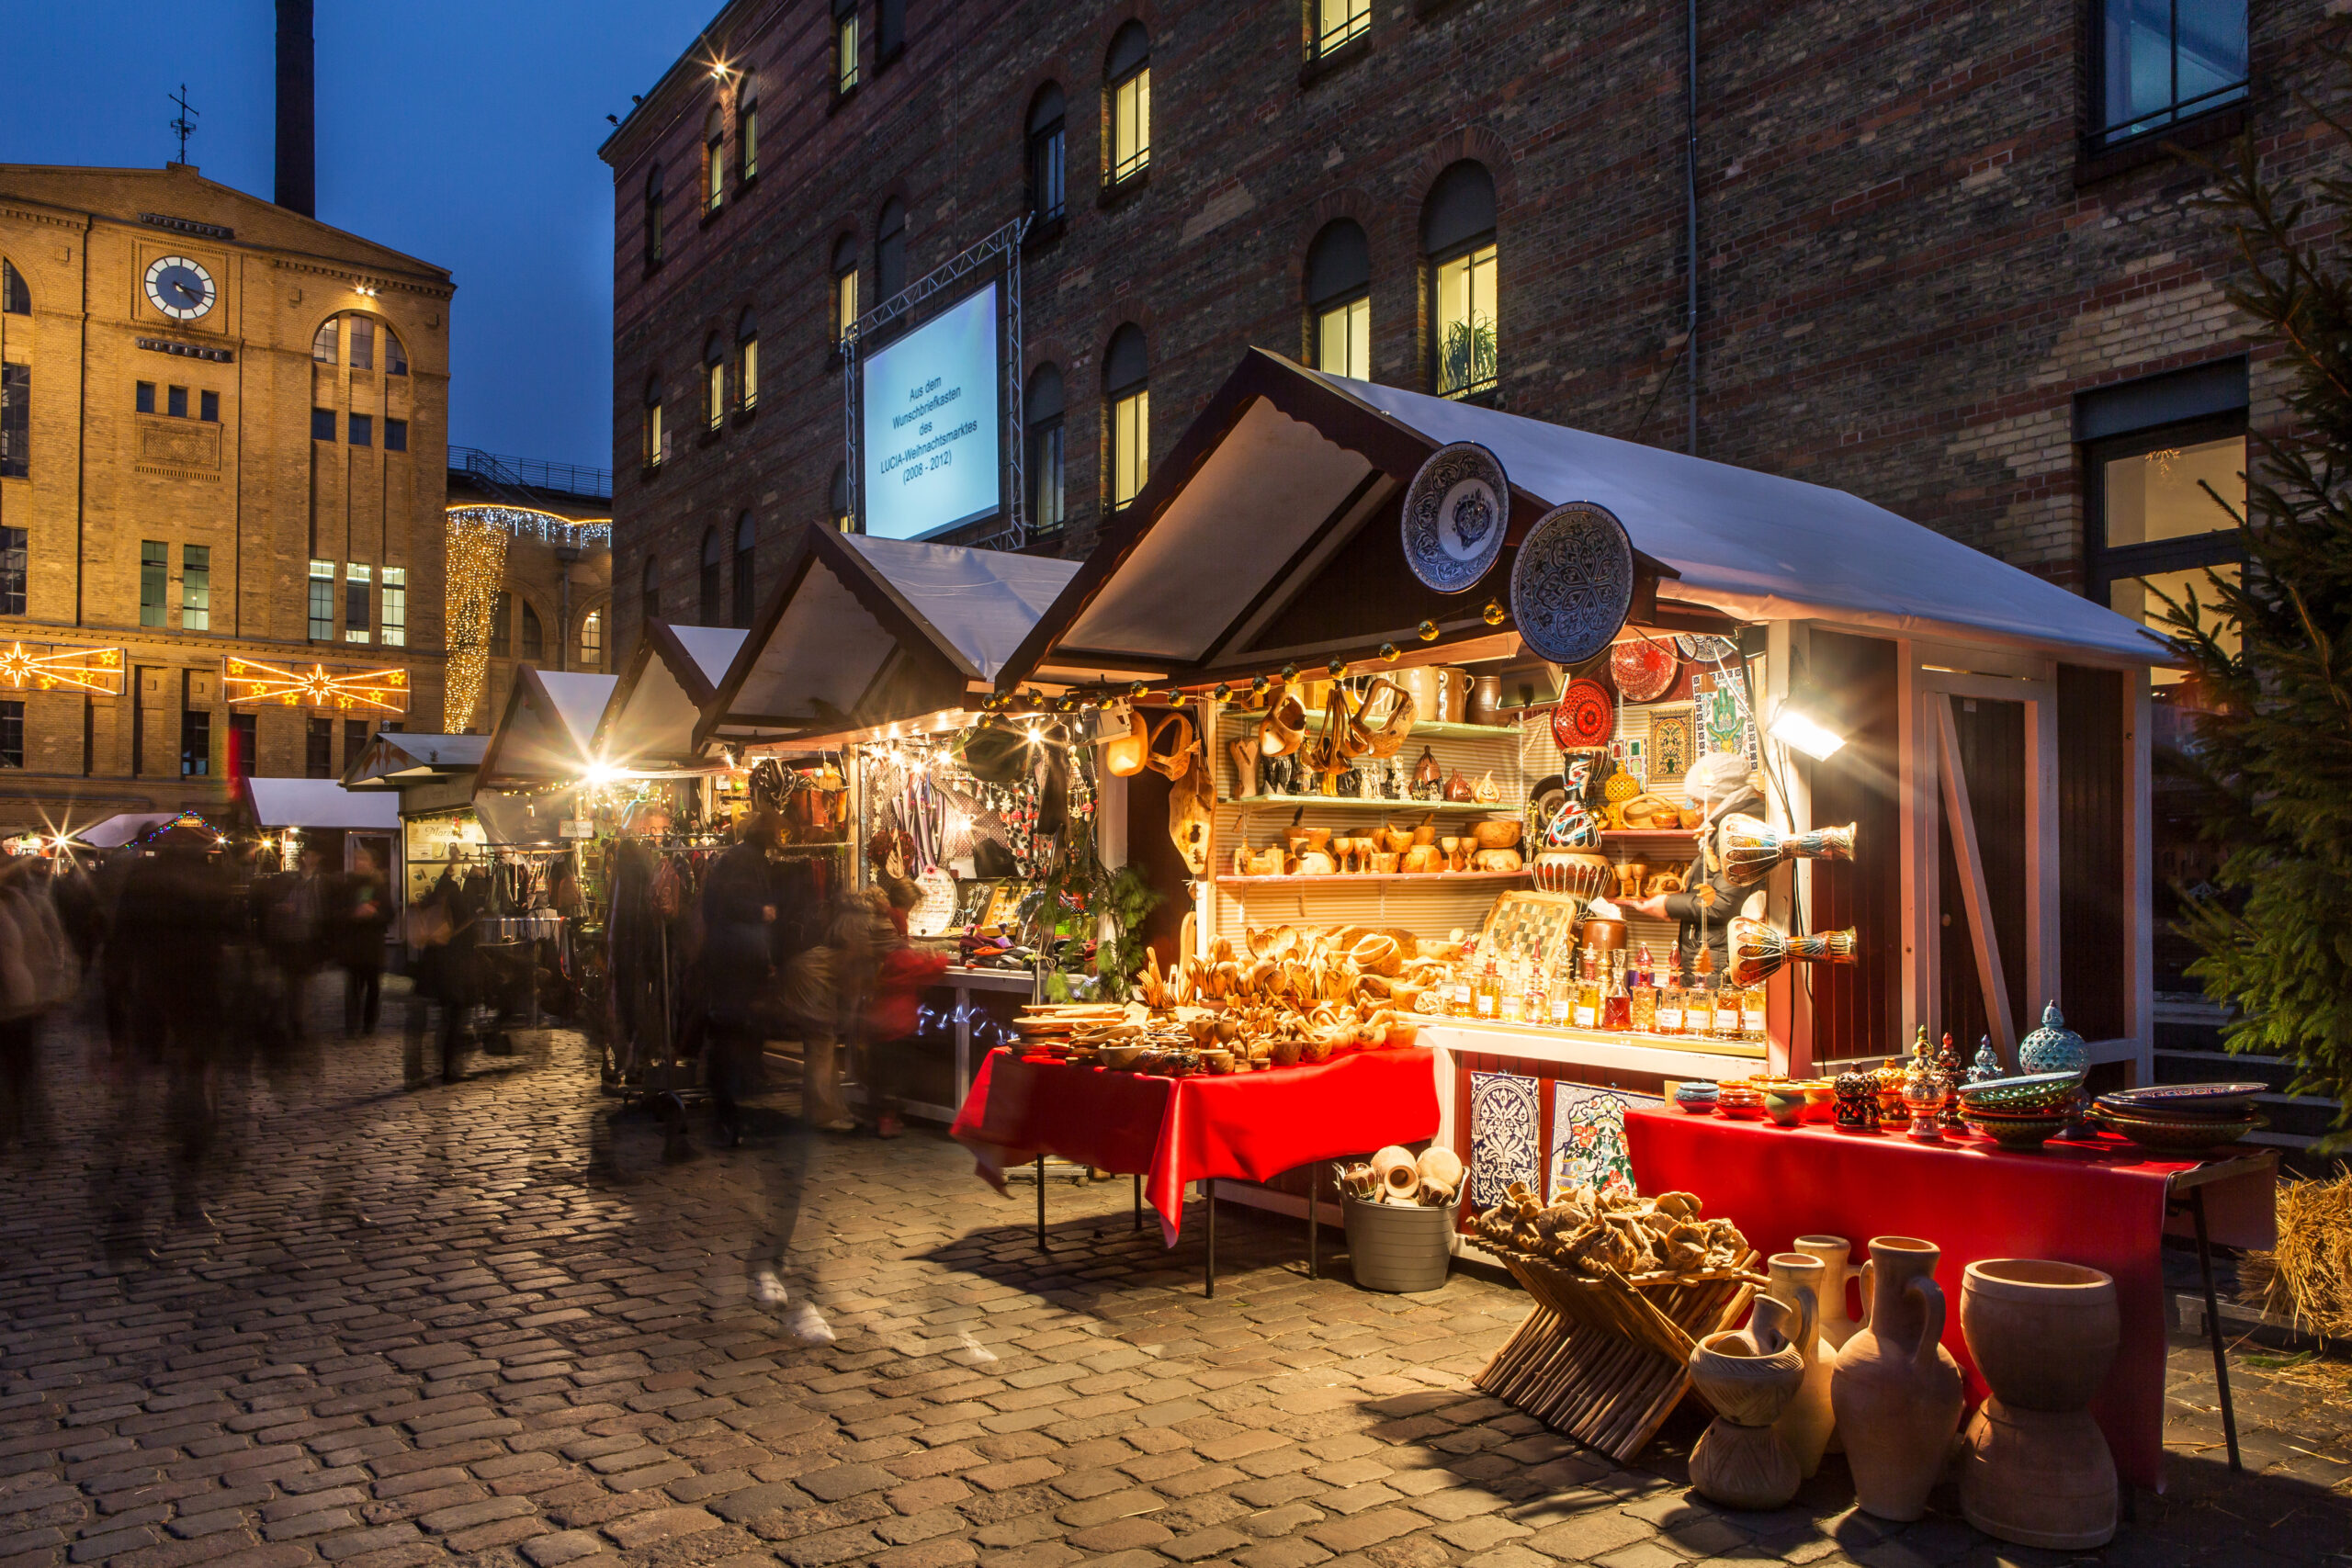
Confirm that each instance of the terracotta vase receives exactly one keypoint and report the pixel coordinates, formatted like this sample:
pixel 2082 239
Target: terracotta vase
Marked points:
pixel 2036 1469
pixel 1897 1391
pixel 1749 1375
pixel 1836 1324
pixel 1806 1425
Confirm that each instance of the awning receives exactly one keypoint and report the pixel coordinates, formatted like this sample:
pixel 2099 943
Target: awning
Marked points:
pixel 545 736
pixel 1270 535
pixel 648 723
pixel 320 803
pixel 395 758
pixel 113 832
pixel 864 633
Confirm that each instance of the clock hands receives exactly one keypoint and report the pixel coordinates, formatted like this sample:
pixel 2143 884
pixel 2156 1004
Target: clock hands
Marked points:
pixel 193 296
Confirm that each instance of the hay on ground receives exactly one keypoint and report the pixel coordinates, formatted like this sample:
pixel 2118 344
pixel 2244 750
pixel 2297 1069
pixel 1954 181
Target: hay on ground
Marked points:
pixel 2307 1277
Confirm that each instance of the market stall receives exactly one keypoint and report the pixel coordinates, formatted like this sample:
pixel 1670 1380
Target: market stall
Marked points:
pixel 321 814
pixel 431 775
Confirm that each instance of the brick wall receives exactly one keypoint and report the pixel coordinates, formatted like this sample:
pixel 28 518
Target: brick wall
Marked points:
pixel 1908 266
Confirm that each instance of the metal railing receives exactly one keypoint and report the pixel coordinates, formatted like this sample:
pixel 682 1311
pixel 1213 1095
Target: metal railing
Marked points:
pixel 531 473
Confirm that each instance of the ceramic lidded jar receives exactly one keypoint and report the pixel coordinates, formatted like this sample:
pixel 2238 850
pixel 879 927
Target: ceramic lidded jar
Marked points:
pixel 1806 1422
pixel 1897 1391
pixel 2052 1048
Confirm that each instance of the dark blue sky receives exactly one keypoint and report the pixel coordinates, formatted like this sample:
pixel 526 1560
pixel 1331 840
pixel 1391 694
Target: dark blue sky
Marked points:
pixel 461 131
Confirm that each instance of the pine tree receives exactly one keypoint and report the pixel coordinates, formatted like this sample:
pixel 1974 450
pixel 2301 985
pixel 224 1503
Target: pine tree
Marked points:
pixel 2275 749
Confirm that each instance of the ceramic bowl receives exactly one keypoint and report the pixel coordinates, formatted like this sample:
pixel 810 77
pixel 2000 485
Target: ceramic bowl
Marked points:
pixel 1122 1057
pixel 2181 1137
pixel 2017 1132
pixel 1742 1109
pixel 2184 1095
pixel 2196 1114
pixel 1784 1104
pixel 1699 1100
pixel 2035 1092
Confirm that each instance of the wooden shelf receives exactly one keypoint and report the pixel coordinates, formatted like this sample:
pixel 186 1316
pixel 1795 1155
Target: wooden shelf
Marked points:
pixel 1649 838
pixel 1432 730
pixel 1390 807
pixel 1351 878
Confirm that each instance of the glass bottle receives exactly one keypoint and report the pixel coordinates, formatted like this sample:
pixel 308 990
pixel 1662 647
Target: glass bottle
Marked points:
pixel 1642 1000
pixel 1457 994
pixel 1751 1014
pixel 1726 1004
pixel 1587 1013
pixel 1533 1007
pixel 1487 999
pixel 1511 1006
pixel 1616 1005
pixel 1670 999
pixel 1564 996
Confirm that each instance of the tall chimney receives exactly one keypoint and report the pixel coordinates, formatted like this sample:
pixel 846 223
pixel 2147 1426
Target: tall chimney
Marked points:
pixel 297 173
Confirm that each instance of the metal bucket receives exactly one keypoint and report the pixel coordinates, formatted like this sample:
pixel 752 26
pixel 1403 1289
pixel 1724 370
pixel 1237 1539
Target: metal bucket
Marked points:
pixel 1398 1246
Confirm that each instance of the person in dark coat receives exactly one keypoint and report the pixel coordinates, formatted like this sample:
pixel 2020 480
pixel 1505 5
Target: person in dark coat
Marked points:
pixel 1719 785
pixel 444 972
pixel 363 911
pixel 739 916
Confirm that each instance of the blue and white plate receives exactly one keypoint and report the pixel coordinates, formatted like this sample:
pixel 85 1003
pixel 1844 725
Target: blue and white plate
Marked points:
pixel 1573 583
pixel 1455 513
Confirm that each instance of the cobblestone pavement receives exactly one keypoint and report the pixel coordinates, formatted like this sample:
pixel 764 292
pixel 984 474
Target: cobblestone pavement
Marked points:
pixel 421 1329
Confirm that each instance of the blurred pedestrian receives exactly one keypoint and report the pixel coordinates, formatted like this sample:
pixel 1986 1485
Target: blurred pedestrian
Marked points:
pixel 894 1002
pixel 441 931
pixel 38 971
pixel 738 969
pixel 363 912
pixel 294 909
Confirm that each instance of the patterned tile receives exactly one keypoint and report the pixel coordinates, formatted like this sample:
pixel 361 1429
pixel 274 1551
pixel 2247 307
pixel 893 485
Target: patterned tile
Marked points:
pixel 1505 1142
pixel 1588 1138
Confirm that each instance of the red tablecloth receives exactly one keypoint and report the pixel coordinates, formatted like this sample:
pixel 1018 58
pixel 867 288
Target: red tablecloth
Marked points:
pixel 1252 1126
pixel 2099 1203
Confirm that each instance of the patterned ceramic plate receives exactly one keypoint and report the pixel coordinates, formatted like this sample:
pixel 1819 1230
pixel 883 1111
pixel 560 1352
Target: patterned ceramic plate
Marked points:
pixel 2181 1096
pixel 2023 1093
pixel 1573 582
pixel 2203 1112
pixel 2181 1137
pixel 1707 649
pixel 1643 669
pixel 1585 717
pixel 1456 513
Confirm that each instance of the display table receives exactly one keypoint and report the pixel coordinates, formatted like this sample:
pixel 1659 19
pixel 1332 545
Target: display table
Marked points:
pixel 1172 1132
pixel 2101 1203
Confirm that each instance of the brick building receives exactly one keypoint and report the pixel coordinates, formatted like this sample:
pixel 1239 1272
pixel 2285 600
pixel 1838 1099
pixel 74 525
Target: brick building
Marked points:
pixel 542 535
pixel 222 439
pixel 1943 259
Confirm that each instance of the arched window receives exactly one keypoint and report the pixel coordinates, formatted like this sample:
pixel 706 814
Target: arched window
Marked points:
pixel 1126 393
pixel 592 640
pixel 395 356
pixel 1126 82
pixel 714 159
pixel 890 249
pixel 534 640
pixel 1049 148
pixel 712 545
pixel 844 47
pixel 837 500
pixel 654 216
pixel 363 343
pixel 844 285
pixel 746 543
pixel 326 344
pixel 656 438
pixel 747 128
pixel 1458 243
pixel 714 381
pixel 649 590
pixel 1339 299
pixel 747 362
pixel 501 624
pixel 1041 410
pixel 16 300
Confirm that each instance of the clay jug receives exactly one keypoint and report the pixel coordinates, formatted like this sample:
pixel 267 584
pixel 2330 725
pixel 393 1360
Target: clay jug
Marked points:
pixel 1806 1425
pixel 1897 1391
pixel 1749 1375
pixel 1837 1268
pixel 2036 1469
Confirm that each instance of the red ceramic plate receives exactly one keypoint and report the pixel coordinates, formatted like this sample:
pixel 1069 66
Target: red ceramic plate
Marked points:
pixel 1585 717
pixel 1643 669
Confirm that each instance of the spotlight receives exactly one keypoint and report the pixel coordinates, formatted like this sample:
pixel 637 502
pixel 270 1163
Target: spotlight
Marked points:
pixel 1805 722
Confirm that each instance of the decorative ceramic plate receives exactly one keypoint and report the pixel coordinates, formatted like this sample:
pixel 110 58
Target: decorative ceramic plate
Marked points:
pixel 1643 669
pixel 2181 1137
pixel 1707 649
pixel 2018 1132
pixel 1456 512
pixel 2203 1114
pixel 2181 1096
pixel 1583 716
pixel 1573 582
pixel 2024 1093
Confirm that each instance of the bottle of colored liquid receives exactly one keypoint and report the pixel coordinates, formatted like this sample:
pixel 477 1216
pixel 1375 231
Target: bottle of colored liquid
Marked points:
pixel 1587 1014
pixel 1616 1005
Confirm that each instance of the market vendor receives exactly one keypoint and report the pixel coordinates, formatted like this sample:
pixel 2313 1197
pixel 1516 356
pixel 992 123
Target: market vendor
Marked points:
pixel 1718 785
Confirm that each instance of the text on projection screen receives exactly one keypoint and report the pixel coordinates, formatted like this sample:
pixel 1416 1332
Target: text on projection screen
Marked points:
pixel 930 460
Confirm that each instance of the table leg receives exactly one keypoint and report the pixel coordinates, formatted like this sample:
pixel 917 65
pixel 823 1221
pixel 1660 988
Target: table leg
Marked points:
pixel 1208 1190
pixel 2213 1327
pixel 1314 1179
pixel 1139 1225
pixel 1041 1205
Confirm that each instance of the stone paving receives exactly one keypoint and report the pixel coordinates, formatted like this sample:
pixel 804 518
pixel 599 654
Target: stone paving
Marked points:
pixel 464 1321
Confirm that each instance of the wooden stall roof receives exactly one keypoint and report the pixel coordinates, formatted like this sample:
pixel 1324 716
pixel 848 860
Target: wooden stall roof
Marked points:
pixel 545 735
pixel 395 758
pixel 671 675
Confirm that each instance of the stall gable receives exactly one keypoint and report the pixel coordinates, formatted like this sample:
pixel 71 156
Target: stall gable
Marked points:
pixel 668 681
pixel 822 656
pixel 973 605
pixel 547 729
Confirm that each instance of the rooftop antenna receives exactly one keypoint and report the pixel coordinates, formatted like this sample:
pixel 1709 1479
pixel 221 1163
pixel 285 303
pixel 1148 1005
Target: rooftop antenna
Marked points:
pixel 183 126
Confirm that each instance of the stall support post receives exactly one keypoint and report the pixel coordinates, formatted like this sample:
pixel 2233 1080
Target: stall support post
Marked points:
pixel 2213 1327
pixel 1313 1181
pixel 1208 1192
pixel 1041 1205
pixel 1139 1225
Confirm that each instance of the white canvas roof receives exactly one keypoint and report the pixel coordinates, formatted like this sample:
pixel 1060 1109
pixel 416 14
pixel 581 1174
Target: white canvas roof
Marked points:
pixel 113 832
pixel 649 724
pixel 394 758
pixel 322 803
pixel 547 732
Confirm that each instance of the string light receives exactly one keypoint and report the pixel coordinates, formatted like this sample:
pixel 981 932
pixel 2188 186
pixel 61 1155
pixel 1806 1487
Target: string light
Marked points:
pixel 475 558
pixel 1388 653
pixel 95 669
pixel 1338 667
pixel 1494 613
pixel 1426 631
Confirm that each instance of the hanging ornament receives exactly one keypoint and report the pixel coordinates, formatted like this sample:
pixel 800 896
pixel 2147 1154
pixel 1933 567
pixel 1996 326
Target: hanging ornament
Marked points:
pixel 1139 688
pixel 1388 653
pixel 1494 613
pixel 1290 672
pixel 1223 691
pixel 1426 631
pixel 1338 667
pixel 1175 696
pixel 1258 684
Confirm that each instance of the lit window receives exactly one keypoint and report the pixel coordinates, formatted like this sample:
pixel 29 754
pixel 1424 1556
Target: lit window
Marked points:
pixel 592 640
pixel 1343 339
pixel 844 46
pixel 747 129
pixel 196 588
pixel 154 580
pixel 890 249
pixel 2167 61
pixel 14 562
pixel 1458 238
pixel 714 160
pixel 655 446
pixel 395 606
pixel 2161 528
pixel 324 342
pixel 396 435
pixel 1048 153
pixel 1041 408
pixel 746 355
pixel 1128 79
pixel 746 544
pixel 356 579
pixel 1340 21
pixel 16 420
pixel 322 600
pixel 533 639
pixel 714 375
pixel 711 564
pixel 844 286
pixel 1126 365
pixel 16 300
pixel 654 216
pixel 363 343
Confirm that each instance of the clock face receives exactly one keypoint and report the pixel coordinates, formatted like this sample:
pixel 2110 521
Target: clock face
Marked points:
pixel 179 287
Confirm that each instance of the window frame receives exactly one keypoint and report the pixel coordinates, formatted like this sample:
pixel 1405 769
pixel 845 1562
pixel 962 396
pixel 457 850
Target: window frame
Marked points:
pixel 196 755
pixel 747 129
pixel 1465 253
pixel 154 584
pixel 890 249
pixel 1053 138
pixel 711 581
pixel 318 747
pixel 16 420
pixel 590 639
pixel 1324 42
pixel 651 435
pixel 395 435
pixel 648 590
pixel 196 588
pixel 322 423
pixel 2109 564
pixel 208 406
pixel 714 162
pixel 746 569
pixel 143 397
pixel 530 634
pixel 2106 134
pixel 392 612
pixel 1121 173
pixel 12 732
pixel 322 605
pixel 714 385
pixel 846 76
pixel 358 596
pixel 174 402
pixel 15 294
pixel 360 429
pixel 844 288
pixel 747 364
pixel 16 569
pixel 1041 430
pixel 654 236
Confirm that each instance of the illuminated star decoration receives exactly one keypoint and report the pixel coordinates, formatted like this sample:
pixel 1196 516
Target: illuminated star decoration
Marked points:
pixel 95 669
pixel 251 681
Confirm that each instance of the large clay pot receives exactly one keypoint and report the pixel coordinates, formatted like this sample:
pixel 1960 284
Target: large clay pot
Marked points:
pixel 1749 1375
pixel 1836 1324
pixel 2037 1469
pixel 1897 1391
pixel 1807 1422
